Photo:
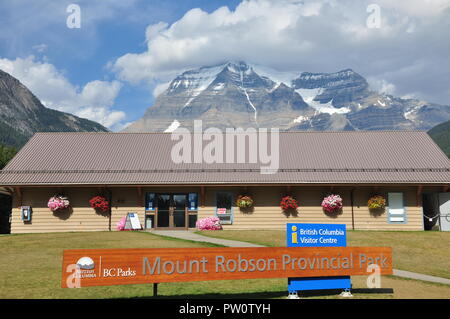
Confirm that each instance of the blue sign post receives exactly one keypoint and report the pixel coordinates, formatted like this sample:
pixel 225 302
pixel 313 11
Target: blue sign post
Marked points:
pixel 317 235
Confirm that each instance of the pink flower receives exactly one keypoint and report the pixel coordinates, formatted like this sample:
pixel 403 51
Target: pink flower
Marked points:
pixel 58 202
pixel 121 223
pixel 332 203
pixel 209 223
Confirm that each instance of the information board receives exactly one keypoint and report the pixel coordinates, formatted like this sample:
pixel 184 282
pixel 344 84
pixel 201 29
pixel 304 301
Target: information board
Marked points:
pixel 317 235
pixel 132 222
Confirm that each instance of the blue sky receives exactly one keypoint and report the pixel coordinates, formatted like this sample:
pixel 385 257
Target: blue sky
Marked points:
pixel 108 69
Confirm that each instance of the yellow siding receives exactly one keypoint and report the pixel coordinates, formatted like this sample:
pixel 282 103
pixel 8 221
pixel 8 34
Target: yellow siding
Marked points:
pixel 265 215
pixel 268 215
pixel 80 217
pixel 366 220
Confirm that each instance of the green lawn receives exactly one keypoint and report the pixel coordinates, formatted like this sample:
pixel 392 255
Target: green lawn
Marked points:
pixel 422 252
pixel 30 267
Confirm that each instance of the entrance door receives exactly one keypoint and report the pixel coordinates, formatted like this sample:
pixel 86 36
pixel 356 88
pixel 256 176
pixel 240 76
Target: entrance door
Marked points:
pixel 171 210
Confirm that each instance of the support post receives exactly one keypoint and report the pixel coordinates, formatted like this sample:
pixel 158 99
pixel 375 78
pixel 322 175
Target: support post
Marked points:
pixel 352 196
pixel 202 196
pixel 289 190
pixel 419 196
pixel 155 290
pixel 346 293
pixel 18 190
pixel 140 201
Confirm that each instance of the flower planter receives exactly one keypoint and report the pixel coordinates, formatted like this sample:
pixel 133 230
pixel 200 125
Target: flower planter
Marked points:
pixel 332 203
pixel 58 203
pixel 376 204
pixel 99 203
pixel 288 203
pixel 244 202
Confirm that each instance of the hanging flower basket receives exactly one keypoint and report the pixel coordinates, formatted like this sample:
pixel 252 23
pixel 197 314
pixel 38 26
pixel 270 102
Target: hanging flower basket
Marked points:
pixel 99 203
pixel 209 223
pixel 244 201
pixel 57 203
pixel 288 202
pixel 376 202
pixel 332 203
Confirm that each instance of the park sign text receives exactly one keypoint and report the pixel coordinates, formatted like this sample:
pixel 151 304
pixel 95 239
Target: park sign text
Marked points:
pixel 106 267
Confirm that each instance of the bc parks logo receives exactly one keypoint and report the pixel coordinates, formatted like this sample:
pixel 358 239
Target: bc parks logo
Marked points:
pixel 85 263
pixel 86 267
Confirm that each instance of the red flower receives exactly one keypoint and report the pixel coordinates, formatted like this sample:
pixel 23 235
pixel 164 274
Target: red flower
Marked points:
pixel 288 202
pixel 99 203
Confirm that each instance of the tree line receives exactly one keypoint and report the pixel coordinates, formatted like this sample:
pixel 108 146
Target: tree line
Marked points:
pixel 6 154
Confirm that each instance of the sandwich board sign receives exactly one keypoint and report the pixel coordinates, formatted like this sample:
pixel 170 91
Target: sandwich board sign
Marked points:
pixel 317 235
pixel 132 222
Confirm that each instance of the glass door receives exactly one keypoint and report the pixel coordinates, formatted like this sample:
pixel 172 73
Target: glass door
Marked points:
pixel 171 210
pixel 179 211
pixel 163 202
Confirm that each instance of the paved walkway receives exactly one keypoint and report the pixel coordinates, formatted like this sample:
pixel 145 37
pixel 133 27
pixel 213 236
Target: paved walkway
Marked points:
pixel 190 235
pixel 414 275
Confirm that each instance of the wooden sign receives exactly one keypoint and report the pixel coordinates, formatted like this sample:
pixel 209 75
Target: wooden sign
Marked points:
pixel 105 267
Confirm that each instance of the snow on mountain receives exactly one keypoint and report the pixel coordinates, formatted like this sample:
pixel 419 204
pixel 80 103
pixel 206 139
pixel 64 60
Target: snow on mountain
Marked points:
pixel 309 96
pixel 173 126
pixel 238 94
pixel 194 82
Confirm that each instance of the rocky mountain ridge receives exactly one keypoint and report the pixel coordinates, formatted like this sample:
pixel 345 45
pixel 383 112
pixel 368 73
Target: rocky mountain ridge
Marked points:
pixel 22 115
pixel 237 94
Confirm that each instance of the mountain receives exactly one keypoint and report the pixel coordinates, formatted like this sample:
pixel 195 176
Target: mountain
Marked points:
pixel 237 94
pixel 441 136
pixel 22 115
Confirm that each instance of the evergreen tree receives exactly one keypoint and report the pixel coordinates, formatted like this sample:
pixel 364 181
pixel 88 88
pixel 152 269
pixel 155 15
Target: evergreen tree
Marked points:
pixel 6 154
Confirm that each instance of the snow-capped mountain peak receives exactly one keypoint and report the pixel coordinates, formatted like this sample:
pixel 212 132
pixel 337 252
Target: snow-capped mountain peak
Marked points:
pixel 239 94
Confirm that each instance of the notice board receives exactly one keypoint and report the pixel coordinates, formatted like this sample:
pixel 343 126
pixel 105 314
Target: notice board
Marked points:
pixel 317 235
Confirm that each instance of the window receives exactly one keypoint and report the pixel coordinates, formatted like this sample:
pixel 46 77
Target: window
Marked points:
pixel 224 207
pixel 396 208
pixel 193 201
pixel 150 199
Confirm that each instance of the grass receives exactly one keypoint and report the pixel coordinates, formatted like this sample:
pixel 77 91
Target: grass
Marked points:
pixel 30 267
pixel 422 252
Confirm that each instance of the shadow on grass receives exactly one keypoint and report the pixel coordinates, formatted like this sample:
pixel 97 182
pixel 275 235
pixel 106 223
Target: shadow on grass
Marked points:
pixel 248 295
pixel 273 294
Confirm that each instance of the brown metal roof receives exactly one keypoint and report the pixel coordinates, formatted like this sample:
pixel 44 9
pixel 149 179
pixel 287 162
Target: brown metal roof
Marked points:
pixel 305 157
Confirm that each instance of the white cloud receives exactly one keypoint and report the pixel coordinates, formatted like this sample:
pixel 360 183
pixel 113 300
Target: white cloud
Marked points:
pixel 160 88
pixel 93 101
pixel 416 8
pixel 382 86
pixel 288 35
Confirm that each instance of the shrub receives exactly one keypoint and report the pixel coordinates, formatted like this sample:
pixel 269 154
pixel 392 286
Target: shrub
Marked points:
pixel 121 223
pixel 209 223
